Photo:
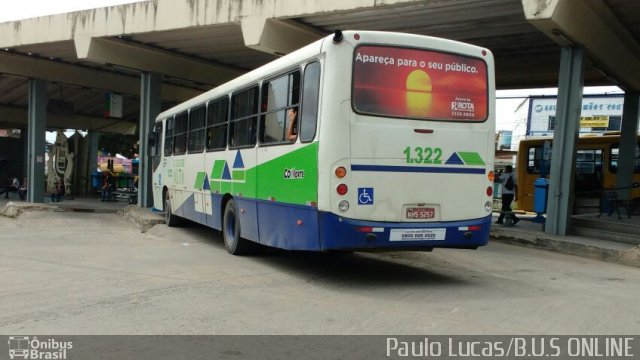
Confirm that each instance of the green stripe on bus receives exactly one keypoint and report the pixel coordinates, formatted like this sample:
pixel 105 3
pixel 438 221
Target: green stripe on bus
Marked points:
pixel 471 158
pixel 238 175
pixel 218 168
pixel 290 178
pixel 199 184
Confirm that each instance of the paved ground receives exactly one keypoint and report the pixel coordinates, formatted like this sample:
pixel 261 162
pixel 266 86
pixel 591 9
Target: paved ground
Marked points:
pixel 95 273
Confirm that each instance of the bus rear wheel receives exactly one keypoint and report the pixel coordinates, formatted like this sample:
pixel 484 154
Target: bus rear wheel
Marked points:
pixel 169 219
pixel 231 231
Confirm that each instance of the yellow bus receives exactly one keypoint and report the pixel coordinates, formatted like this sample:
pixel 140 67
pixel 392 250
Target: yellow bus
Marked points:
pixel 596 166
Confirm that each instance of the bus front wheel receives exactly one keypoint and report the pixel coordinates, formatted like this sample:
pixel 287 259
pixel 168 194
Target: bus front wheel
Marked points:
pixel 231 231
pixel 170 219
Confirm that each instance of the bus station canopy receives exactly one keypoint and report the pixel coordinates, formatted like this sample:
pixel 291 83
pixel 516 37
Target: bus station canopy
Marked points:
pixel 198 44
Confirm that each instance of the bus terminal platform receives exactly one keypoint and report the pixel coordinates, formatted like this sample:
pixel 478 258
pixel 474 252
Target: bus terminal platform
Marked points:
pixel 524 233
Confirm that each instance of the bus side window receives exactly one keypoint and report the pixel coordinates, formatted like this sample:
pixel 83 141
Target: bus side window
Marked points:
pixel 196 130
pixel 310 97
pixel 217 124
pixel 280 97
pixel 180 133
pixel 533 160
pixel 244 119
pixel 614 152
pixel 155 150
pixel 168 137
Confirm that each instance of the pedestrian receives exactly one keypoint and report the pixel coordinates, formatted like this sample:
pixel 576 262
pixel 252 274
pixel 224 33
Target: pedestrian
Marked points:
pixel 509 193
pixel 58 191
pixel 22 191
pixel 105 189
pixel 12 186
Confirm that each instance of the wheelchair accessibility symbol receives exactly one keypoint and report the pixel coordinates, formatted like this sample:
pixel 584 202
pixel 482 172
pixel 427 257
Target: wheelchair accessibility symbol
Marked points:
pixel 365 196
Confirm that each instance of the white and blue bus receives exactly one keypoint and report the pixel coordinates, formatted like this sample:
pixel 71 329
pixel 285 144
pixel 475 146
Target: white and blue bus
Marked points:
pixel 361 140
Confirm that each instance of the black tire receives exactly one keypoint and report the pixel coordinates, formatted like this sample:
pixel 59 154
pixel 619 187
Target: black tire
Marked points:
pixel 231 231
pixel 170 219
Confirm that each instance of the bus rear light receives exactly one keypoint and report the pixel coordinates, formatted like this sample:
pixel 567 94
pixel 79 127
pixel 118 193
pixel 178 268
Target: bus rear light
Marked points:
pixel 491 176
pixel 470 228
pixel 369 229
pixel 356 36
pixel 343 205
pixel 489 190
pixel 341 172
pixel 342 189
pixel 488 206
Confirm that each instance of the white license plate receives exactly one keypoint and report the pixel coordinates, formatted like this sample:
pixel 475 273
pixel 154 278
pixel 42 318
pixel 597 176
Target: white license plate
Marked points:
pixel 421 213
pixel 417 234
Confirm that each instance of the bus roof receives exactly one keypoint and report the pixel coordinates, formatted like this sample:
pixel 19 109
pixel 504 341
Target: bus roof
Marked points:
pixel 315 49
pixel 251 77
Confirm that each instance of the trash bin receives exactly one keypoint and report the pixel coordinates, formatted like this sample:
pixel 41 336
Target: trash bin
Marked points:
pixel 541 188
pixel 96 179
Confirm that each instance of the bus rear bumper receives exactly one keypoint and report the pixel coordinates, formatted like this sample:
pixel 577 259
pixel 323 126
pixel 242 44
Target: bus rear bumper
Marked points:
pixel 338 233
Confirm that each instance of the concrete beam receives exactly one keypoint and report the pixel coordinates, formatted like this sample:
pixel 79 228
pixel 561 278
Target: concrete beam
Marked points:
pixel 146 59
pixel 156 15
pixel 18 116
pixel 592 25
pixel 276 37
pixel 32 67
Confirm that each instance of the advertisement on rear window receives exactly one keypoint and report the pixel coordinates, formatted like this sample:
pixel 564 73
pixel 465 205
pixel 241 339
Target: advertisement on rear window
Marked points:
pixel 423 84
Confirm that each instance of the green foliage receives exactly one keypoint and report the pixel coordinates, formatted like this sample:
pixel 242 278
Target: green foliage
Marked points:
pixel 126 145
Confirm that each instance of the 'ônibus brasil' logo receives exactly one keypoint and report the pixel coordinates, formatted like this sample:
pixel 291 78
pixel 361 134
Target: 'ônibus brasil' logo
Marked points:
pixel 24 347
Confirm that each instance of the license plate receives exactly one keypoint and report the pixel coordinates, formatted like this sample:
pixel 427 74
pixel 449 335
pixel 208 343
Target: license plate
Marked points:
pixel 417 234
pixel 421 213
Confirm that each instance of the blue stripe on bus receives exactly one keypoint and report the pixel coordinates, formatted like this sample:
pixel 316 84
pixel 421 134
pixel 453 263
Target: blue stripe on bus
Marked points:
pixel 302 227
pixel 342 233
pixel 425 169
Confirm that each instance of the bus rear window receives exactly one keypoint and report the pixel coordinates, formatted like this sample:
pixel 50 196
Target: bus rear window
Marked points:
pixel 419 84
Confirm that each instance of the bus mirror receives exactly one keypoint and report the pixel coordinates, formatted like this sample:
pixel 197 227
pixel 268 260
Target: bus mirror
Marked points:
pixel 152 139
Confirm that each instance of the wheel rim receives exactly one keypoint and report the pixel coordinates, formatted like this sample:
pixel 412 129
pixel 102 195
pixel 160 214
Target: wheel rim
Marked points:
pixel 167 209
pixel 230 227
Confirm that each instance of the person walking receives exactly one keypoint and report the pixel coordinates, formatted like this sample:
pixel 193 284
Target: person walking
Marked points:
pixel 509 193
pixel 22 191
pixel 13 186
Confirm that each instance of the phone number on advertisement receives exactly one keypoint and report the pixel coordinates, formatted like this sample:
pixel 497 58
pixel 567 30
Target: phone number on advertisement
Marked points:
pixel 531 346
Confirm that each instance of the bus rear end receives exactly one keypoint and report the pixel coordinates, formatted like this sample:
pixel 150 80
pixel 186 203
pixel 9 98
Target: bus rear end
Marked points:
pixel 419 122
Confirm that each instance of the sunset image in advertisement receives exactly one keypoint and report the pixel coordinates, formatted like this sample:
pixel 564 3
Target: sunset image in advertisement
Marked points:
pixel 421 84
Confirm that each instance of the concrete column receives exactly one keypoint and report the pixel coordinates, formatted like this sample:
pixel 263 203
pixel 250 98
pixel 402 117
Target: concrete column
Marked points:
pixel 628 144
pixel 24 141
pixel 37 139
pixel 570 86
pixel 149 109
pixel 92 160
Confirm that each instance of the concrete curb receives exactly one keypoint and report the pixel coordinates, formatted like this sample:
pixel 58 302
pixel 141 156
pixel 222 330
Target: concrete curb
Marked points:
pixel 623 254
pixel 14 209
pixel 144 219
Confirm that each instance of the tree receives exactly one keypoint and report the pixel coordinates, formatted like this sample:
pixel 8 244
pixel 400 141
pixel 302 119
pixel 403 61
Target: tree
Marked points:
pixel 126 145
